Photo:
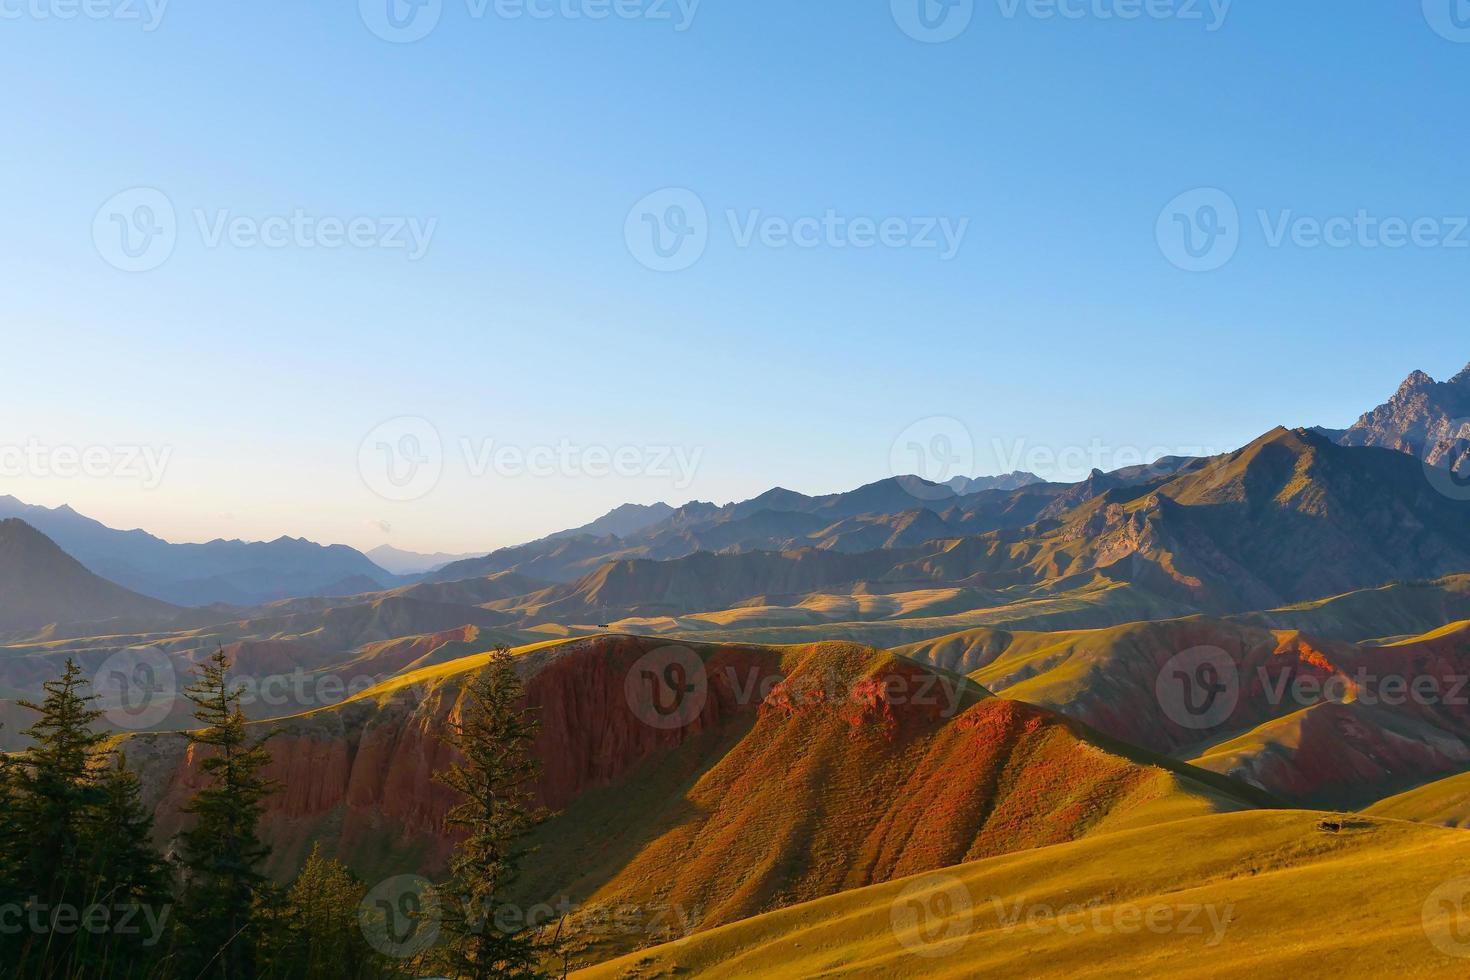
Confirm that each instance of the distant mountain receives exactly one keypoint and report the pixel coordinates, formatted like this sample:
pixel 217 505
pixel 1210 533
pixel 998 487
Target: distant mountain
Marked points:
pixel 1424 418
pixel 240 573
pixel 401 562
pixel 619 522
pixel 40 584
pixel 777 520
pixel 1290 517
pixel 965 485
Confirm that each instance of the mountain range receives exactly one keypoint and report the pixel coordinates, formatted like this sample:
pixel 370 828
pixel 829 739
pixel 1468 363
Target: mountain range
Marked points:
pixel 242 573
pixel 902 697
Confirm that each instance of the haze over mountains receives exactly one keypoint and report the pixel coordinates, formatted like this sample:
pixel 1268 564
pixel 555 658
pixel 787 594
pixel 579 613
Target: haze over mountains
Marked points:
pixel 40 584
pixel 1287 518
pixel 236 572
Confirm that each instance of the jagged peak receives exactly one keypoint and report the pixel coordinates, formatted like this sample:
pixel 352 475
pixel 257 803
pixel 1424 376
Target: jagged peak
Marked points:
pixel 1463 378
pixel 1418 379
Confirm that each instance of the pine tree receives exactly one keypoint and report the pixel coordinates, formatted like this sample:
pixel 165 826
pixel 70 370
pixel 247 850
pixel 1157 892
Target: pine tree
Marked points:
pixel 58 790
pixel 224 890
pixel 493 736
pixel 59 786
pixel 324 938
pixel 129 877
pixel 11 850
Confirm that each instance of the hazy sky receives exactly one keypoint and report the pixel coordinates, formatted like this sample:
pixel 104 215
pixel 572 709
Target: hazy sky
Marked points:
pixel 249 249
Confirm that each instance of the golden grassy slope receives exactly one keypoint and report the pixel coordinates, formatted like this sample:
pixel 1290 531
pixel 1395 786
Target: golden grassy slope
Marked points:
pixel 1259 894
pixel 1445 802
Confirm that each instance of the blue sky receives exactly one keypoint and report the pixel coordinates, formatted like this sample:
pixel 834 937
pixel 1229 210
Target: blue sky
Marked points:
pixel 521 145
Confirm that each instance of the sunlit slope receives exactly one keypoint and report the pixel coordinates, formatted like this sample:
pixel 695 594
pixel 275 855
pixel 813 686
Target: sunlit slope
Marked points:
pixel 1319 723
pixel 1095 602
pixel 1398 609
pixel 797 773
pixel 1444 802
pixel 833 791
pixel 1260 894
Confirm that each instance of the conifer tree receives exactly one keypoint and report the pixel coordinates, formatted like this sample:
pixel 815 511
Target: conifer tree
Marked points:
pixel 222 912
pixel 10 850
pixel 127 876
pixel 324 939
pixel 57 791
pixel 59 788
pixel 495 777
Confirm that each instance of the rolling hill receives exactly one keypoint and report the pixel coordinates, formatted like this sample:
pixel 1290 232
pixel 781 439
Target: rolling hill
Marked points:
pixel 1314 722
pixel 1256 895
pixel 794 773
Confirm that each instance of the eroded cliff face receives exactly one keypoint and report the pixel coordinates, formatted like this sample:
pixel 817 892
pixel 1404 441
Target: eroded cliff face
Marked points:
pixel 359 776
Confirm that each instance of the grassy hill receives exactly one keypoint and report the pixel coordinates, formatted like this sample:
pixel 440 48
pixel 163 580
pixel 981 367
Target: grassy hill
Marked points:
pixel 1259 895
pixel 800 772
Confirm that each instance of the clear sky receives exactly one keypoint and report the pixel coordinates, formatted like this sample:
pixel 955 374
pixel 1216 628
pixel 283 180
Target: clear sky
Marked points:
pixel 1058 318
